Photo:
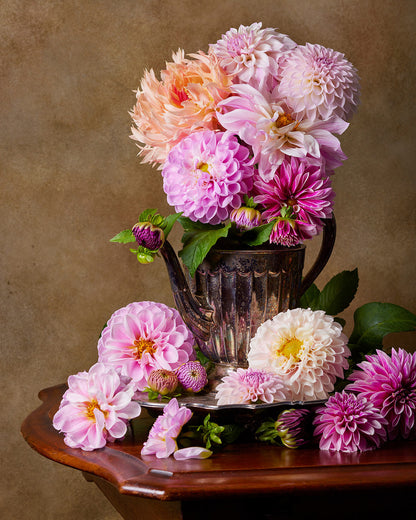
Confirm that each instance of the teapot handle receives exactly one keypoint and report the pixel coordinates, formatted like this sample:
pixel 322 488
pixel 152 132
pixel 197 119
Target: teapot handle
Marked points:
pixel 328 240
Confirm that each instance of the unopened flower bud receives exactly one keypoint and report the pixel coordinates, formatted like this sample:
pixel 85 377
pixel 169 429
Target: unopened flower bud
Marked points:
pixel 164 382
pixel 192 376
pixel 245 217
pixel 294 427
pixel 149 236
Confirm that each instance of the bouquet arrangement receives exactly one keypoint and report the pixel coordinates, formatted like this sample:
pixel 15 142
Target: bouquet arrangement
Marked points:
pixel 244 136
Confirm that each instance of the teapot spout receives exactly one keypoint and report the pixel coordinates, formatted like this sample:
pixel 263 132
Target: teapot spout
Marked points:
pixel 196 316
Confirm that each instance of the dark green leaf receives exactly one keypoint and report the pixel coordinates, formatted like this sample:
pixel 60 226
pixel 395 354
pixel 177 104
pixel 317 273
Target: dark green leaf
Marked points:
pixel 124 237
pixel 198 244
pixel 341 321
pixel 310 297
pixel 373 321
pixel 258 235
pixel 169 222
pixel 338 293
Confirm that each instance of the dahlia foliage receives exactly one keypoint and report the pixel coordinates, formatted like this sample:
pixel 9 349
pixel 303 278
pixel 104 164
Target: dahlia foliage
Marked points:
pixel 254 119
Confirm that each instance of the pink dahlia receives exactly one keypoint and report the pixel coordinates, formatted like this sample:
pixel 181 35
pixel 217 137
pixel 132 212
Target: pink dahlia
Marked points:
pixel 349 423
pixel 145 336
pixel 300 186
pixel 251 54
pixel 246 218
pixel 95 408
pixel 163 382
pixel 183 102
pixel 165 430
pixel 192 376
pixel 247 386
pixel 206 175
pixel 390 383
pixel 305 348
pixel 289 232
pixel 269 126
pixel 318 83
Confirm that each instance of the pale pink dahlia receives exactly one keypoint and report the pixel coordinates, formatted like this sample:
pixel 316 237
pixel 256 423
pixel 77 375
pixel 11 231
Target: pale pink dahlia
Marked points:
pixel 163 382
pixel 246 218
pixel 165 430
pixel 183 102
pixel 349 423
pixel 145 336
pixel 192 376
pixel 306 348
pixel 389 382
pixel 206 175
pixel 273 131
pixel 245 386
pixel 318 83
pixel 300 186
pixel 95 409
pixel 251 54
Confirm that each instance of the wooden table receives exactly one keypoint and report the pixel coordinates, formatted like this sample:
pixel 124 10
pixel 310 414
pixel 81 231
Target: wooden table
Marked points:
pixel 252 480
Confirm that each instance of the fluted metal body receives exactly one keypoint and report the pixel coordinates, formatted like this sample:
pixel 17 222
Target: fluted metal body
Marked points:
pixel 244 288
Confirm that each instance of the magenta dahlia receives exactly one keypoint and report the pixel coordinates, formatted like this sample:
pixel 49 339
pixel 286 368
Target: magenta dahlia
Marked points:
pixel 349 423
pixel 390 383
pixel 144 336
pixel 192 376
pixel 206 175
pixel 318 83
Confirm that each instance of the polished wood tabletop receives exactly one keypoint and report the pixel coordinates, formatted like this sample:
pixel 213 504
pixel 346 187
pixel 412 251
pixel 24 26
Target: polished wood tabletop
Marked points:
pixel 240 476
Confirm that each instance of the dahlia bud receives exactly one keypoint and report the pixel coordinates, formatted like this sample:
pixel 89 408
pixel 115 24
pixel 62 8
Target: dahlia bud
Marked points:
pixel 284 232
pixel 192 376
pixel 164 382
pixel 148 235
pixel 245 217
pixel 294 427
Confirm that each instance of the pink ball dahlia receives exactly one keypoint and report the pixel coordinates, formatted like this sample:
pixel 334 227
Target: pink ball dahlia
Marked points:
pixel 268 125
pixel 165 430
pixel 144 336
pixel 318 83
pixel 251 54
pixel 349 423
pixel 192 376
pixel 390 383
pixel 95 408
pixel 306 348
pixel 183 102
pixel 298 186
pixel 245 386
pixel 206 175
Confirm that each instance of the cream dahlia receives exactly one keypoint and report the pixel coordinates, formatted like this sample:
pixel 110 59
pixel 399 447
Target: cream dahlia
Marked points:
pixel 245 386
pixel 306 348
pixel 390 383
pixel 269 126
pixel 145 336
pixel 318 83
pixel 349 423
pixel 183 102
pixel 251 54
pixel 206 176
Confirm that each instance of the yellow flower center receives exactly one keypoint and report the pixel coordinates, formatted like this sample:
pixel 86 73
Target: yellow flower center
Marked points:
pixel 290 347
pixel 90 407
pixel 284 120
pixel 203 166
pixel 142 345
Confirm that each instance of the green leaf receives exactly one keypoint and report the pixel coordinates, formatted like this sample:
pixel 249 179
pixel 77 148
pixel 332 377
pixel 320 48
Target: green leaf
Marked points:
pixel 124 237
pixel 198 243
pixel 338 293
pixel 146 215
pixel 373 321
pixel 258 235
pixel 310 297
pixel 168 223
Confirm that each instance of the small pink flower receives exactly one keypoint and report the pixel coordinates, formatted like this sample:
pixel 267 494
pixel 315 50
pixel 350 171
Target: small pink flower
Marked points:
pixel 164 382
pixel 349 423
pixel 95 408
pixel 390 383
pixel 165 430
pixel 144 336
pixel 192 376
pixel 249 386
pixel 246 218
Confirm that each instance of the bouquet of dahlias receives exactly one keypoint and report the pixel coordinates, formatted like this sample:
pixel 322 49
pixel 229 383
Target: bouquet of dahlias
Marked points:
pixel 244 138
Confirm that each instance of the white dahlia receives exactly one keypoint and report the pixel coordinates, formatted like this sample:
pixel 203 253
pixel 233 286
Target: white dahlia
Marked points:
pixel 306 348
pixel 318 83
pixel 251 54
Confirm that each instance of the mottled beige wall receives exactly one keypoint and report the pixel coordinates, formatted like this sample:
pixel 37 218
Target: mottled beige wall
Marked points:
pixel 70 180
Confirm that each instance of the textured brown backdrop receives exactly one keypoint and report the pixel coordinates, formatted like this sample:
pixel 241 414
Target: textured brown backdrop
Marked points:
pixel 70 180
